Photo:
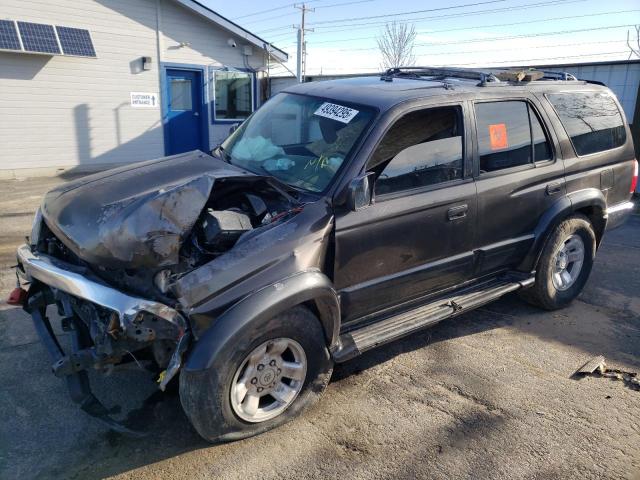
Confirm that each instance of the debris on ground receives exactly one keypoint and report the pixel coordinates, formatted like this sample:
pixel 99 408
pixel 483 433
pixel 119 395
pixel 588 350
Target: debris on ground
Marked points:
pixel 597 367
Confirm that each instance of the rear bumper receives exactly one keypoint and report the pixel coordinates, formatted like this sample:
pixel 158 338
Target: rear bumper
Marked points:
pixel 617 214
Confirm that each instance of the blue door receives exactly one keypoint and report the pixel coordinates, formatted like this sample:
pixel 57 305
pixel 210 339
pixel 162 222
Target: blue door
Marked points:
pixel 184 122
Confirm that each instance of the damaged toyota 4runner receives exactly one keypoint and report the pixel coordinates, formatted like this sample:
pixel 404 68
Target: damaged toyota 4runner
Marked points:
pixel 340 216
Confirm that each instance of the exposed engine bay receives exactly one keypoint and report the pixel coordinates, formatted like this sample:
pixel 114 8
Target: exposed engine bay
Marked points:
pixel 144 245
pixel 234 214
pixel 238 210
pixel 130 257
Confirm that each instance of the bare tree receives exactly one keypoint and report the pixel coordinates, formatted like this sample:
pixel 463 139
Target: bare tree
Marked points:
pixel 396 45
pixel 635 49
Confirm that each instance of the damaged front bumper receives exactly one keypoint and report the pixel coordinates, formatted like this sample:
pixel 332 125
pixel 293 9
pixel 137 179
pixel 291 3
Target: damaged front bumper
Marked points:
pixel 99 340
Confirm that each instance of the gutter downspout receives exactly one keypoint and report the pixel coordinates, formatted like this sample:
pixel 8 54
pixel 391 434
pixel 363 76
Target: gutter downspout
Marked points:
pixel 160 80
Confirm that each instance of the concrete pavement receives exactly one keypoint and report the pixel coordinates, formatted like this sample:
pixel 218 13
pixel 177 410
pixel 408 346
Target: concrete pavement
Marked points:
pixel 486 395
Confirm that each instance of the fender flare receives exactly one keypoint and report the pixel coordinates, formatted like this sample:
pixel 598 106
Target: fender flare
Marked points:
pixel 559 211
pixel 264 304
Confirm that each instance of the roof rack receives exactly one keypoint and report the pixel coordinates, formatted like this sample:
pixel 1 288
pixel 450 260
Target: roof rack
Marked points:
pixel 418 72
pixel 485 78
pixel 549 75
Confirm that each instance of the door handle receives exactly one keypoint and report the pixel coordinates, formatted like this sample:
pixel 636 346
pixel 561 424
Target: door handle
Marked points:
pixel 196 114
pixel 554 188
pixel 455 213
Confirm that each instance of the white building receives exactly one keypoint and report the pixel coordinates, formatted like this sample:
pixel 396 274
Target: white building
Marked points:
pixel 86 84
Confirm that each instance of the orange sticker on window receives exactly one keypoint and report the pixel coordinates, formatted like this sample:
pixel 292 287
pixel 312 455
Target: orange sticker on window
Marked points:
pixel 498 136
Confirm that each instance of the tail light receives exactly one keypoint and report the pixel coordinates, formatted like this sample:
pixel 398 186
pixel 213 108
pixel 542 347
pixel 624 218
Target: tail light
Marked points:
pixel 634 179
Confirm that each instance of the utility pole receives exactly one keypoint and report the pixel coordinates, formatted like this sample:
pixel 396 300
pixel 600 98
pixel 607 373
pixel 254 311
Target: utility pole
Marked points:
pixel 302 44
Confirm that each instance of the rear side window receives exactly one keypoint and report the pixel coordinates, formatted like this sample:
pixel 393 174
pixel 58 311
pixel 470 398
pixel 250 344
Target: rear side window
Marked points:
pixel 592 120
pixel 509 135
pixel 423 148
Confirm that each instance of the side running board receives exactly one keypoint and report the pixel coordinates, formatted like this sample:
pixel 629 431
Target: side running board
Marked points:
pixel 389 329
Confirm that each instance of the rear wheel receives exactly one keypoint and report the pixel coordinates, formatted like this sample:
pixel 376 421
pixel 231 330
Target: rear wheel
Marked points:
pixel 565 264
pixel 264 378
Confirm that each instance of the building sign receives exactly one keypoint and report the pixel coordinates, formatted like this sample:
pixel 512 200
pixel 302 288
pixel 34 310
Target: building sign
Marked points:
pixel 144 99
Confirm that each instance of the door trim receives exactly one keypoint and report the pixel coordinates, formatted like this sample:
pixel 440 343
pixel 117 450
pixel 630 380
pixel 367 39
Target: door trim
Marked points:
pixel 164 97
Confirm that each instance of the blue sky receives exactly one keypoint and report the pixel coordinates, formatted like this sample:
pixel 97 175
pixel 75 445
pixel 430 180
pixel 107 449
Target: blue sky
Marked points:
pixel 469 33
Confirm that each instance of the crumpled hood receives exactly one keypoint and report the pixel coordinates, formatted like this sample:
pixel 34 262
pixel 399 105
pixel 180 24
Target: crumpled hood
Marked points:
pixel 137 215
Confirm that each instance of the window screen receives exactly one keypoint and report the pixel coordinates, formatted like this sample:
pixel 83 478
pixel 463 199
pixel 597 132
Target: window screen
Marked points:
pixel 592 120
pixel 233 95
pixel 422 148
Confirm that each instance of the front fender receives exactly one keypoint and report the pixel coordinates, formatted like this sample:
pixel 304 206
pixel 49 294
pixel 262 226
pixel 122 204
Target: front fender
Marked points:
pixel 264 304
pixel 563 208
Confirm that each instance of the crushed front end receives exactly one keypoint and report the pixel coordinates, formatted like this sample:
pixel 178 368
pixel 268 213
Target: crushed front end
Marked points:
pixel 107 326
pixel 126 254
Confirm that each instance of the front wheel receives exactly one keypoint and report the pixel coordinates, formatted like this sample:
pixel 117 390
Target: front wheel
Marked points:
pixel 264 378
pixel 565 264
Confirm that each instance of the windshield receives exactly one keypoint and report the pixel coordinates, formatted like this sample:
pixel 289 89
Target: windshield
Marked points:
pixel 300 140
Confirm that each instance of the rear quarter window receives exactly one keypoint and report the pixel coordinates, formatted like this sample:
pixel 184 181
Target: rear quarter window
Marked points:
pixel 592 120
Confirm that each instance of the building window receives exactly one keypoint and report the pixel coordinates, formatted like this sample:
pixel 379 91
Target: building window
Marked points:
pixel 181 94
pixel 233 95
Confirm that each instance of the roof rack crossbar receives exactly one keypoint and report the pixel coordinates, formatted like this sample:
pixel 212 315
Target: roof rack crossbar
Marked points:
pixel 559 75
pixel 417 72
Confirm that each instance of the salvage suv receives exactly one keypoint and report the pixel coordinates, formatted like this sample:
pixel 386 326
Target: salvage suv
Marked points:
pixel 342 215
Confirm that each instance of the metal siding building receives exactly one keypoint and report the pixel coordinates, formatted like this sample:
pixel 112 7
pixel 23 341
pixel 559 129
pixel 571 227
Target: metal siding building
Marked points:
pixel 71 112
pixel 622 77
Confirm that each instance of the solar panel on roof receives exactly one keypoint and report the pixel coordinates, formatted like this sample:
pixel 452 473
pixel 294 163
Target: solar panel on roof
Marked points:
pixel 76 41
pixel 38 37
pixel 9 36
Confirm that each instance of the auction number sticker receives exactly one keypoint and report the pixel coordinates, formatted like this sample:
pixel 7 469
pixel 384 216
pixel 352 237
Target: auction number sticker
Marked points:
pixel 336 112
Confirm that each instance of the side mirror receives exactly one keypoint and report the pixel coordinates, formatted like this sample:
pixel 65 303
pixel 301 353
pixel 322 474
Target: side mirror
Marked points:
pixel 233 128
pixel 360 192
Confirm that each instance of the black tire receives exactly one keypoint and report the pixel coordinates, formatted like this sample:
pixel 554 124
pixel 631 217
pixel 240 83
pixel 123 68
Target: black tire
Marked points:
pixel 206 395
pixel 543 293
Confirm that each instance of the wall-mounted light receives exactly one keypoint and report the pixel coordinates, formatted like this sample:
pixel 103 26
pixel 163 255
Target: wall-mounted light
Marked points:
pixel 146 63
pixel 232 43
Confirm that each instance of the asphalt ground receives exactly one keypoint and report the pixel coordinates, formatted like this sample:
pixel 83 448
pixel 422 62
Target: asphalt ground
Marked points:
pixel 489 394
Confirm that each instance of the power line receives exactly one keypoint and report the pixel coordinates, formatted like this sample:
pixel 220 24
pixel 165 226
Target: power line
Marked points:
pixel 270 18
pixel 344 3
pixel 520 62
pixel 452 7
pixel 520 48
pixel 491 39
pixel 398 14
pixel 486 26
pixel 485 50
pixel 295 13
pixel 517 62
pixel 271 10
pixel 365 25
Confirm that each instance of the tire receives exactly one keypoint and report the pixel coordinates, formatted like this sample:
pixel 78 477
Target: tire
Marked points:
pixel 553 293
pixel 206 395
